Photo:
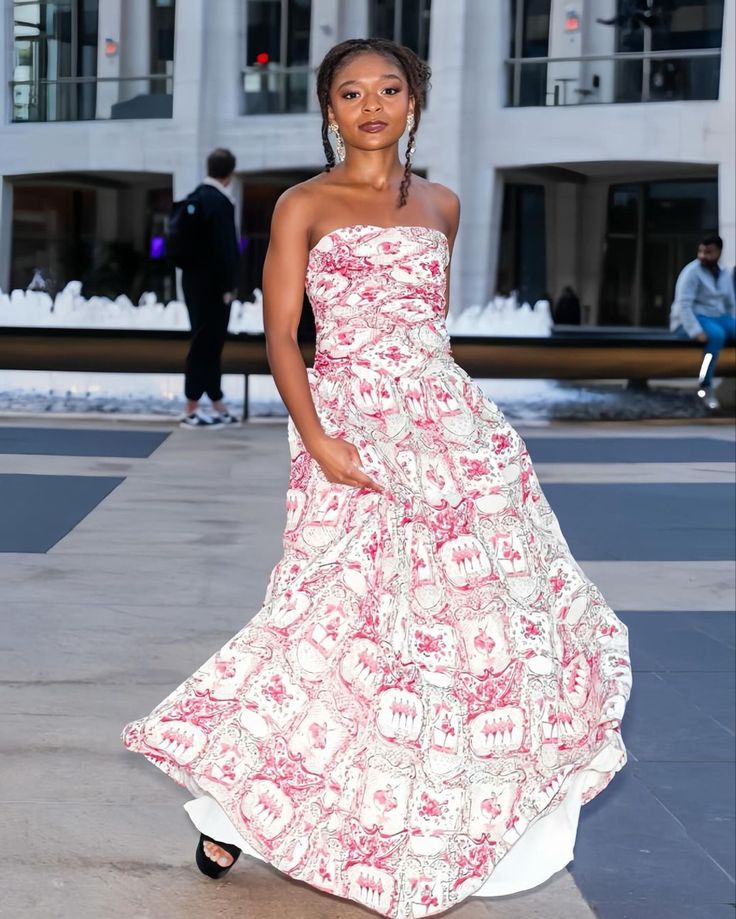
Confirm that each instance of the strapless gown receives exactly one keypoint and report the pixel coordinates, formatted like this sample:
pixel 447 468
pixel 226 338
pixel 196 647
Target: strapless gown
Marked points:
pixel 432 687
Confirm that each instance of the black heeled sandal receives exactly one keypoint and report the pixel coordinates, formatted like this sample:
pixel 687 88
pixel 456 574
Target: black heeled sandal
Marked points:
pixel 205 863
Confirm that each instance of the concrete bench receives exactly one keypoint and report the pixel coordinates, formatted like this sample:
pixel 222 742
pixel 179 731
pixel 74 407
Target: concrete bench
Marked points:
pixel 571 353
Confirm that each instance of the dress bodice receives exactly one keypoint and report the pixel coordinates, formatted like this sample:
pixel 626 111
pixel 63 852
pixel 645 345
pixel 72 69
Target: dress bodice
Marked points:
pixel 378 297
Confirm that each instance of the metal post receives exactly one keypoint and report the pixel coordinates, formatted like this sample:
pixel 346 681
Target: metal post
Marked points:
pixel 284 63
pixel 646 65
pixel 640 253
pixel 518 41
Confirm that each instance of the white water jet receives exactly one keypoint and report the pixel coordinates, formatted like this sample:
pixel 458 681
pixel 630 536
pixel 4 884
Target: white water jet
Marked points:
pixel 70 310
pixel 501 317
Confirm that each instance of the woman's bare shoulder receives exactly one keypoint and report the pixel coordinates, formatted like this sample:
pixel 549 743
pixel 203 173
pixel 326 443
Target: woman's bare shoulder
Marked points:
pixel 447 200
pixel 301 204
pixel 444 201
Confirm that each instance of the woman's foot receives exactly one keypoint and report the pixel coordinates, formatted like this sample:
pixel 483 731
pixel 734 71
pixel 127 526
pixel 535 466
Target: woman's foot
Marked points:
pixel 216 854
pixel 215 858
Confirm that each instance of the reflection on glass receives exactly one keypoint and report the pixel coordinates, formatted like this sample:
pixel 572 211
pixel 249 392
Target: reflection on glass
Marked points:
pixel 639 52
pixel 71 232
pixel 403 21
pixel 653 230
pixel 522 264
pixel 276 78
pixel 58 52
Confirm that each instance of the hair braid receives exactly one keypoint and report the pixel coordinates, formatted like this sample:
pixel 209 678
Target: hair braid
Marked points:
pixel 417 75
pixel 329 152
pixel 404 188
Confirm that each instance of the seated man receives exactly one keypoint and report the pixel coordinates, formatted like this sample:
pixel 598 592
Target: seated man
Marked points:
pixel 704 309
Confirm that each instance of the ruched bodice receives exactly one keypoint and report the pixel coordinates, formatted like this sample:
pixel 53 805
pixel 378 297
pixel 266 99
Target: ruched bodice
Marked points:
pixel 378 296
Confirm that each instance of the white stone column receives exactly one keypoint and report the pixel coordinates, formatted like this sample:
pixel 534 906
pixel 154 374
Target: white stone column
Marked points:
pixel 226 56
pixel 109 22
pixel 6 62
pixel 190 86
pixel 354 20
pixel 468 43
pixel 135 47
pixel 441 130
pixel 323 34
pixel 6 231
pixel 563 77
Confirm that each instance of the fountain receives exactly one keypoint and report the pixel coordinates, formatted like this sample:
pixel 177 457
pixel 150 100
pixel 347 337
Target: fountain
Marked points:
pixel 35 308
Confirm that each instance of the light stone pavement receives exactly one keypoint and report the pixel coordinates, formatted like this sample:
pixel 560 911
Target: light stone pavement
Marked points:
pixel 99 629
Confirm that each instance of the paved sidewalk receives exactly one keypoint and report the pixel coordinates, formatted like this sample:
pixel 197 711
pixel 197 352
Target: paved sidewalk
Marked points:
pixel 168 565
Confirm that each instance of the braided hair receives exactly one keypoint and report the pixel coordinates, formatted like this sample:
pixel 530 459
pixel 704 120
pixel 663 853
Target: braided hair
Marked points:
pixel 417 76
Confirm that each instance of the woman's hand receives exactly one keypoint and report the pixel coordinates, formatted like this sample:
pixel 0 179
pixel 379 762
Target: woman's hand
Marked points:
pixel 340 462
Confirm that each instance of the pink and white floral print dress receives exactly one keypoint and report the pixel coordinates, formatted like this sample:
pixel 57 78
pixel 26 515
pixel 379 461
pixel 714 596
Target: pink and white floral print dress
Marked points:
pixel 432 687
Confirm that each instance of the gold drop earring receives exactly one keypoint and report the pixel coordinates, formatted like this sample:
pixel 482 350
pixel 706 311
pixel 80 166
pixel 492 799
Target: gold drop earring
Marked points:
pixel 410 127
pixel 339 142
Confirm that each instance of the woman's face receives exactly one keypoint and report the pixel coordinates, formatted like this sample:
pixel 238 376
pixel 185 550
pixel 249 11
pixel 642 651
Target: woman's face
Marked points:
pixel 369 100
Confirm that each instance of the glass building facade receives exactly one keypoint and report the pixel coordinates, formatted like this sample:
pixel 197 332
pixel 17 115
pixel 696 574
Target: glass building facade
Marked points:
pixel 559 193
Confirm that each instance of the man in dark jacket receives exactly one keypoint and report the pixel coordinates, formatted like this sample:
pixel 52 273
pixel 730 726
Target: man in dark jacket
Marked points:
pixel 209 289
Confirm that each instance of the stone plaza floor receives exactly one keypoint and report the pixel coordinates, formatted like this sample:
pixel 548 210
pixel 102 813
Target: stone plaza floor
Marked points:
pixel 129 552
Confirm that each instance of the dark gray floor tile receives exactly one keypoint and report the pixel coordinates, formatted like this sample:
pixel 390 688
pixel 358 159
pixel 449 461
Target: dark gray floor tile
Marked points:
pixel 38 510
pixel 646 522
pixel 663 909
pixel 660 725
pixel 705 790
pixel 719 625
pixel 630 847
pixel 713 693
pixel 673 642
pixel 79 442
pixel 702 799
pixel 595 449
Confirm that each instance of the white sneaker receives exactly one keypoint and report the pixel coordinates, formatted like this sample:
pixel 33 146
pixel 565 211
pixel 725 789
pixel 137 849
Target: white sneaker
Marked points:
pixel 198 419
pixel 227 419
pixel 708 398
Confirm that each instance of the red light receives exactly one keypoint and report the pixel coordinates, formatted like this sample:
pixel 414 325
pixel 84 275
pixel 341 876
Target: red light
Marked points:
pixel 572 22
pixel 111 47
pixel 262 58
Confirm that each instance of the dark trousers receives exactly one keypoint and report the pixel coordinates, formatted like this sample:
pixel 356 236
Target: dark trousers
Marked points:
pixel 209 318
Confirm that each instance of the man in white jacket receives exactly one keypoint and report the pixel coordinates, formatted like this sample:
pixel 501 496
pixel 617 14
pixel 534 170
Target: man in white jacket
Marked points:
pixel 704 309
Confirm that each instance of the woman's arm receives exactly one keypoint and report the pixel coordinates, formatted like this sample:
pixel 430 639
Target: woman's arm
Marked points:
pixel 284 272
pixel 450 207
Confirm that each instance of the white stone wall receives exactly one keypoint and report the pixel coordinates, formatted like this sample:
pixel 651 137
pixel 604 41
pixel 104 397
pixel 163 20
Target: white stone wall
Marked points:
pixel 467 139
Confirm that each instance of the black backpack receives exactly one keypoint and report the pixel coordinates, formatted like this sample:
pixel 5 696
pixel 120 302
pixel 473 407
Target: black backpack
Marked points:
pixel 184 231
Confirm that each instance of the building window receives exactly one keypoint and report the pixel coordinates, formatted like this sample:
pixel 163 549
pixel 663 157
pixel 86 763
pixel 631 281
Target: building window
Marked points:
pixel 631 51
pixel 652 231
pixel 162 36
pixel 70 64
pixel 529 39
pixel 522 263
pixel 682 26
pixel 276 76
pixel 403 21
pixel 104 230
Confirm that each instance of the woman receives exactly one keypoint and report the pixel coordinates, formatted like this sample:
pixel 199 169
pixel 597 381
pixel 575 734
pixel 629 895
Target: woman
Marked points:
pixel 432 687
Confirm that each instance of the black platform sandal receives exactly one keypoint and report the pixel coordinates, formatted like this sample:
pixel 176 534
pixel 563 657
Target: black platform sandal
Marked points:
pixel 205 863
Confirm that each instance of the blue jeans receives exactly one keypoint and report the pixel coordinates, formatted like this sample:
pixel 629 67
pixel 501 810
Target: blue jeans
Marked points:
pixel 720 330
